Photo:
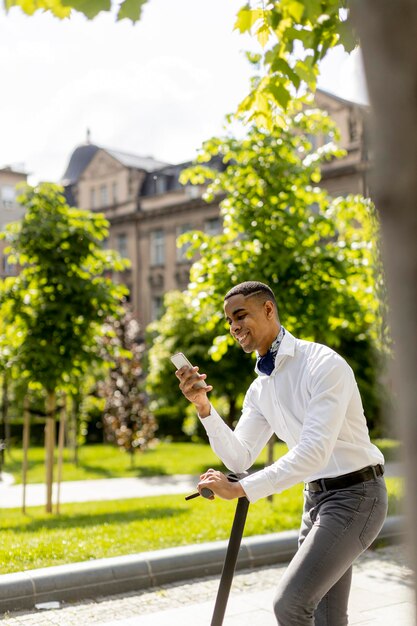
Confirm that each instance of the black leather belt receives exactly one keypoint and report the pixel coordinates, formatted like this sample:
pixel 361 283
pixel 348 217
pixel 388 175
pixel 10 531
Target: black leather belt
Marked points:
pixel 347 480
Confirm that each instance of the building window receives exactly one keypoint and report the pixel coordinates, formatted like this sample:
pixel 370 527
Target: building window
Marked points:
pixel 157 247
pixel 160 183
pixel 8 268
pixel 213 226
pixel 156 307
pixel 114 192
pixel 121 245
pixel 104 195
pixel 193 191
pixel 313 139
pixel 184 228
pixel 93 198
pixel 8 196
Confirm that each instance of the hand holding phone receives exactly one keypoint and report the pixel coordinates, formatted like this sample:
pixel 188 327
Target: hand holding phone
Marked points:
pixel 180 360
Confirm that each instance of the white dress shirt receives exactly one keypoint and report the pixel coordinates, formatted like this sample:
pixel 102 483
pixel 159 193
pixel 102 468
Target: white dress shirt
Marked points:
pixel 312 402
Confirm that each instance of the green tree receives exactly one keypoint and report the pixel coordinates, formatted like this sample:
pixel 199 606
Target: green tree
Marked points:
pixel 127 420
pixel 61 298
pixel 320 254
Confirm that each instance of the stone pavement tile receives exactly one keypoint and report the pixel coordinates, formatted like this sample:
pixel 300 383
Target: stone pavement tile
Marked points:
pixel 364 599
pixel 259 617
pixel 255 600
pixel 200 615
pixel 194 615
pixel 399 614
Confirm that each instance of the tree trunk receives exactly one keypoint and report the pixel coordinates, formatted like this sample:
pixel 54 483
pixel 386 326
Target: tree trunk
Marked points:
pixel 61 442
pixel 5 435
pixel 3 428
pixel 132 457
pixel 50 447
pixel 388 34
pixel 72 426
pixel 26 439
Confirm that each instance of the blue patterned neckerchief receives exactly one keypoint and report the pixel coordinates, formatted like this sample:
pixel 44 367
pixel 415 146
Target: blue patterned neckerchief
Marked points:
pixel 266 363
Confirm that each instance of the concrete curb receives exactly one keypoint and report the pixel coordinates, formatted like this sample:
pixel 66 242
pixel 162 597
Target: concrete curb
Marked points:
pixel 103 577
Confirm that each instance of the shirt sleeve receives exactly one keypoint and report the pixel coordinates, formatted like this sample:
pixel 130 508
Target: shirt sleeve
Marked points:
pixel 239 448
pixel 331 387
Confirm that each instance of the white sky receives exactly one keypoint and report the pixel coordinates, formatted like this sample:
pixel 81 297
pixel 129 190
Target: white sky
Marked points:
pixel 159 87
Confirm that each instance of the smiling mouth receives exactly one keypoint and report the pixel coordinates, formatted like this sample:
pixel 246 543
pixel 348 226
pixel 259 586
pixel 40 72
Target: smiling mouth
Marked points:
pixel 241 338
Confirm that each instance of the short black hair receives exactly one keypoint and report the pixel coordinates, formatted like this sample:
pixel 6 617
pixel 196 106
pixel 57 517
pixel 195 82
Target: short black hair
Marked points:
pixel 252 288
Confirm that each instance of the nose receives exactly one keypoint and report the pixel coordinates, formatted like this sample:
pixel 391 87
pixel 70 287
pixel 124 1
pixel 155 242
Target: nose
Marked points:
pixel 234 327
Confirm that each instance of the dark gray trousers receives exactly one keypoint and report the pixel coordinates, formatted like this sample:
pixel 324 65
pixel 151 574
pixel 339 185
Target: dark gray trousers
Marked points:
pixel 337 526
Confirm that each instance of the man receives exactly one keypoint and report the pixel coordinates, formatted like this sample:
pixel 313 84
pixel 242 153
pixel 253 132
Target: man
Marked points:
pixel 307 395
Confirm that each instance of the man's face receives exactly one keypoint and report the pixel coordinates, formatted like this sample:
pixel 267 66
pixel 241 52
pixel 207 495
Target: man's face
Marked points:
pixel 253 323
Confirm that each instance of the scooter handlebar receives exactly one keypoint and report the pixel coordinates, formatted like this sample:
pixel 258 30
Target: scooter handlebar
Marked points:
pixel 207 493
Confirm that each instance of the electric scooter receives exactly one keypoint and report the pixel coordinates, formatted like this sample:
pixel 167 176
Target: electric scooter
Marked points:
pixel 232 550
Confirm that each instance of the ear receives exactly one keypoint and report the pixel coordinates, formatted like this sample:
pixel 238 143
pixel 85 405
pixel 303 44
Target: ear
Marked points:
pixel 269 309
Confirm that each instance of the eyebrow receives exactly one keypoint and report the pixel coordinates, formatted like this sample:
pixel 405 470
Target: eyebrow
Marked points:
pixel 236 311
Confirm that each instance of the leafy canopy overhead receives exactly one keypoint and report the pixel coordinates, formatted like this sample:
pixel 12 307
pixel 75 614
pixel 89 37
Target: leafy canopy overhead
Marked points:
pixel 130 9
pixel 294 36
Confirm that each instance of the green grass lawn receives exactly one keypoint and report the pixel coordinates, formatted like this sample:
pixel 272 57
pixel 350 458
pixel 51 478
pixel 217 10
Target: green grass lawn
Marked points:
pixel 94 530
pixel 105 461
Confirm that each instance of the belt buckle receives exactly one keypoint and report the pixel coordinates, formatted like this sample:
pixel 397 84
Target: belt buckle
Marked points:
pixel 322 483
pixel 317 486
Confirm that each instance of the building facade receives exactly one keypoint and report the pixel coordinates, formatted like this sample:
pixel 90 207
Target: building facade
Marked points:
pixel 10 211
pixel 148 208
pixel 349 174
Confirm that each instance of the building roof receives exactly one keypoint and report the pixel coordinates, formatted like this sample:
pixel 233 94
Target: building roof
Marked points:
pixel 79 160
pixel 83 154
pixel 333 96
pixel 12 169
pixel 147 163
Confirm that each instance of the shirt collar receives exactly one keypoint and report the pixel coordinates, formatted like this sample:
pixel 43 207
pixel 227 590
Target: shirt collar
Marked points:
pixel 266 364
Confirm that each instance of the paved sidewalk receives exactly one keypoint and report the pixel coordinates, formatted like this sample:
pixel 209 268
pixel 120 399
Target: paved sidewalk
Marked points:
pixel 381 596
pixel 98 490
pixel 113 488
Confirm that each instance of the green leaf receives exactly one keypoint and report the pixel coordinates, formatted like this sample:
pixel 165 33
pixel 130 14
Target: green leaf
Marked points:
pixel 280 94
pixel 347 37
pixel 90 8
pixel 246 18
pixel 296 10
pixel 56 7
pixel 280 65
pixel 131 9
pixel 263 34
pixel 313 9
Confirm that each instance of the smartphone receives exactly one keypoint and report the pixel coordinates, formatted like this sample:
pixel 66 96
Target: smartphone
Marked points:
pixel 180 360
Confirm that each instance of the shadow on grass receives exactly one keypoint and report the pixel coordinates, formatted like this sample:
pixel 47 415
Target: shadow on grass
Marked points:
pixel 138 472
pixel 71 521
